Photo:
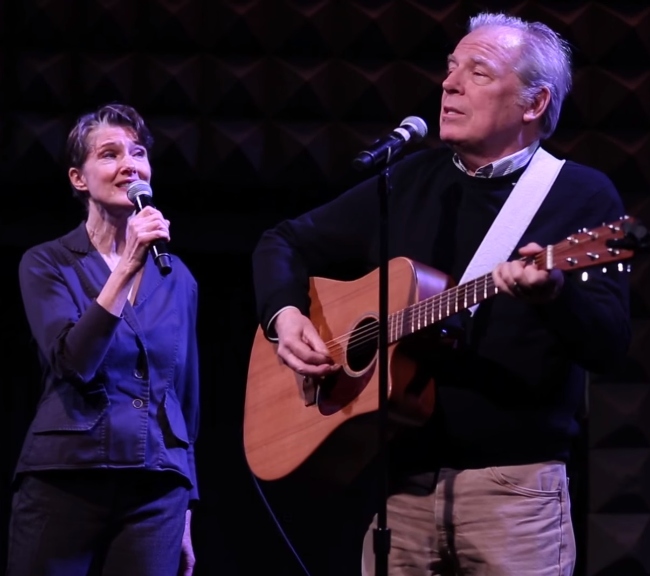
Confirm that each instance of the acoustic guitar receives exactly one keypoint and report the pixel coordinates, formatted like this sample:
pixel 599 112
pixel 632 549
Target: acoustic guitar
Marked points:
pixel 331 422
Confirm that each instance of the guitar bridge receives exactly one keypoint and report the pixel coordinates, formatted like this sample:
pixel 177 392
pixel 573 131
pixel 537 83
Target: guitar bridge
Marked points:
pixel 309 390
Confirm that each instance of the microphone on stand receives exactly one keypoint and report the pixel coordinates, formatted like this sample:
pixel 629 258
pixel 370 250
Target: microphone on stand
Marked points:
pixel 412 129
pixel 140 194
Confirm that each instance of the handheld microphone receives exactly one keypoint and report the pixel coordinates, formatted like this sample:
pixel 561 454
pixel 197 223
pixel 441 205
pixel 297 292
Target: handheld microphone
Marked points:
pixel 412 129
pixel 139 193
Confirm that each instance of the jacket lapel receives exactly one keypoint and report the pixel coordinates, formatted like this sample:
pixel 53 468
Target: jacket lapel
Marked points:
pixel 94 272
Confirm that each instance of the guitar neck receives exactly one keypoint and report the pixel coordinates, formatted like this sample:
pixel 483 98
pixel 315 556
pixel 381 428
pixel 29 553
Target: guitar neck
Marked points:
pixel 427 312
pixel 581 250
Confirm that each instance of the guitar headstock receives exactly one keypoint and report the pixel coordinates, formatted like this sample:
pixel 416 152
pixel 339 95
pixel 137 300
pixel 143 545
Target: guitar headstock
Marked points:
pixel 613 242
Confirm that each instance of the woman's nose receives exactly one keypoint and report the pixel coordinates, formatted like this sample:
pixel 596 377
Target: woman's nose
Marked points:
pixel 129 165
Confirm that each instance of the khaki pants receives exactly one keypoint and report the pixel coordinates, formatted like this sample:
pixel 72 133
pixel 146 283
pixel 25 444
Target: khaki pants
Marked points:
pixel 501 521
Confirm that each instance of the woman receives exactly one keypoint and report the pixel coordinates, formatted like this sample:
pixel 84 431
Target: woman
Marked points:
pixel 106 475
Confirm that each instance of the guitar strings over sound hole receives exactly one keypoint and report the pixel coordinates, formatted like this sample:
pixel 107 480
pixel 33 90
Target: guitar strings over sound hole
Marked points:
pixel 362 345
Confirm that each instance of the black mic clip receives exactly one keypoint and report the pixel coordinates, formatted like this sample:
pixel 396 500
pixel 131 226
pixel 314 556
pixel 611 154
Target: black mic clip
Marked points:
pixel 383 150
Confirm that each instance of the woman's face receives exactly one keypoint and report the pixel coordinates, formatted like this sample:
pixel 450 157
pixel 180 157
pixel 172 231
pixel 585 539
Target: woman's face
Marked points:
pixel 115 159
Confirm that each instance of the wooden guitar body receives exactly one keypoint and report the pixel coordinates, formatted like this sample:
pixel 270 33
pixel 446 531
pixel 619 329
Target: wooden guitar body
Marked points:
pixel 289 420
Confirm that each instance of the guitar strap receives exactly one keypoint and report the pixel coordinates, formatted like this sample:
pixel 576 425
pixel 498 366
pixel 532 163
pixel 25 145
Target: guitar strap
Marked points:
pixel 515 215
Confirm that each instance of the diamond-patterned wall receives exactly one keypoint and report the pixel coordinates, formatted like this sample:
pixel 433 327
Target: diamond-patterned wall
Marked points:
pixel 257 108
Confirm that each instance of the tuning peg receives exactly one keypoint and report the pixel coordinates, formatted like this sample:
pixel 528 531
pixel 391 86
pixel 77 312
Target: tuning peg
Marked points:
pixel 620 267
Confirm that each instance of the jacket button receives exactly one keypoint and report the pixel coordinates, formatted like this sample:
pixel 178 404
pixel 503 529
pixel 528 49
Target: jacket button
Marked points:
pixel 137 403
pixel 138 374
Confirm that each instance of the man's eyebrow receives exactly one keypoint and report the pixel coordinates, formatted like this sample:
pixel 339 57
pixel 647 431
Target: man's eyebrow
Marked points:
pixel 475 60
pixel 482 61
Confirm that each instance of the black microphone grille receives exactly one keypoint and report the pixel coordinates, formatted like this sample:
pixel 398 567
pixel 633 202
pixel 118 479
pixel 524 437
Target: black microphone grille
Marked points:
pixel 137 188
pixel 419 126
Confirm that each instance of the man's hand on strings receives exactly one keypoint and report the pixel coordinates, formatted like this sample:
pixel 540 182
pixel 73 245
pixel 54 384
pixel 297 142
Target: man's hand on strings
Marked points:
pixel 300 347
pixel 522 279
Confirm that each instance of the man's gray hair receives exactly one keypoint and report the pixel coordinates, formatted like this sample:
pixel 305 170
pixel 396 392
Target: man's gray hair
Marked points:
pixel 545 61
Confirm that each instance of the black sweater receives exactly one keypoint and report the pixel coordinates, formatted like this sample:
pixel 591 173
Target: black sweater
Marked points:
pixel 511 392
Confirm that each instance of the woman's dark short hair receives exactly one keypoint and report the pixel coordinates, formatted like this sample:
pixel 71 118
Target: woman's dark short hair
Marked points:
pixel 77 145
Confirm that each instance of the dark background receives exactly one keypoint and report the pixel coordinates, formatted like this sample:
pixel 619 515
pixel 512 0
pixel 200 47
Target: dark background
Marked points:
pixel 257 108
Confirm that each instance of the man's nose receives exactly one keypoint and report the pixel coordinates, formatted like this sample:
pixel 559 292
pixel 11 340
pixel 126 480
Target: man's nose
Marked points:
pixel 452 82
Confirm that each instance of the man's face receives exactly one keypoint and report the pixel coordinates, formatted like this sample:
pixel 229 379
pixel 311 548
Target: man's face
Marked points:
pixel 482 114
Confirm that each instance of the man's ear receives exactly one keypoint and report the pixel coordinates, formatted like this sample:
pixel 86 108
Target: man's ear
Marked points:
pixel 538 105
pixel 77 179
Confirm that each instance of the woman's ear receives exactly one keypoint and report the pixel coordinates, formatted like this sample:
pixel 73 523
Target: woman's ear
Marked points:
pixel 77 179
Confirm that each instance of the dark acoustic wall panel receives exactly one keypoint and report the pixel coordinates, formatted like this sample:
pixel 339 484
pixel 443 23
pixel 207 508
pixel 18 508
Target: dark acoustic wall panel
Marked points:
pixel 257 108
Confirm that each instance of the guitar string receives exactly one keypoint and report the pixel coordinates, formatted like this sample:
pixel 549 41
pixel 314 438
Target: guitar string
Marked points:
pixel 421 313
pixel 429 306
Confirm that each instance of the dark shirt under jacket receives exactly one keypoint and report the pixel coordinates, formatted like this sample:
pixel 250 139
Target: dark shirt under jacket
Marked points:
pixel 119 392
pixel 511 393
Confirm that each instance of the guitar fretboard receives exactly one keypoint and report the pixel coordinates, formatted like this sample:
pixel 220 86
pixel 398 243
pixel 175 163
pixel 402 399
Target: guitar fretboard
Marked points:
pixel 438 307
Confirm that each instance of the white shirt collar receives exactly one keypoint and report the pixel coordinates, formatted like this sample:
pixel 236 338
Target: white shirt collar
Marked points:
pixel 502 166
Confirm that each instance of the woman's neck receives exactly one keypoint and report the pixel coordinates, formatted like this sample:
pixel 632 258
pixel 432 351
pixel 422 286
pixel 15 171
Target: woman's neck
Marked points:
pixel 107 233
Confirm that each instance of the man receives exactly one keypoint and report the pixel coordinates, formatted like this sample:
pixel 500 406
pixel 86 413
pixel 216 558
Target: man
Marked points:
pixel 481 489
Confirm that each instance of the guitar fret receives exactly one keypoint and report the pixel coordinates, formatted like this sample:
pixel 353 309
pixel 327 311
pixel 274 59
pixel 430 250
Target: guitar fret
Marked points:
pixel 399 324
pixel 407 322
pixel 439 306
pixel 391 327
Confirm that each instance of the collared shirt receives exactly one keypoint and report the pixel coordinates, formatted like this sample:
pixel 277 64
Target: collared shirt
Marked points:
pixel 502 166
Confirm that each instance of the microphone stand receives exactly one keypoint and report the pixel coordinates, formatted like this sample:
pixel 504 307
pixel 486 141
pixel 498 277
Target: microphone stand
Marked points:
pixel 381 534
pixel 385 152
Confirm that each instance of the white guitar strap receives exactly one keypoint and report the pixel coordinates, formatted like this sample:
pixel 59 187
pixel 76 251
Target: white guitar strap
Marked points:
pixel 515 215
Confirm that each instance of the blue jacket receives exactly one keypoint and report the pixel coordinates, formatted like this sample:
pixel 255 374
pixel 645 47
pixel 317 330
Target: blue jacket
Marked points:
pixel 119 392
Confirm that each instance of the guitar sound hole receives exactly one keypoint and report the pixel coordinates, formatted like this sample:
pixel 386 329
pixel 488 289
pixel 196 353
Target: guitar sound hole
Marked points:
pixel 363 344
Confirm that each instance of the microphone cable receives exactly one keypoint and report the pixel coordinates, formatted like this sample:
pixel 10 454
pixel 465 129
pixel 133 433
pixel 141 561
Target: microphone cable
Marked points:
pixel 278 525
